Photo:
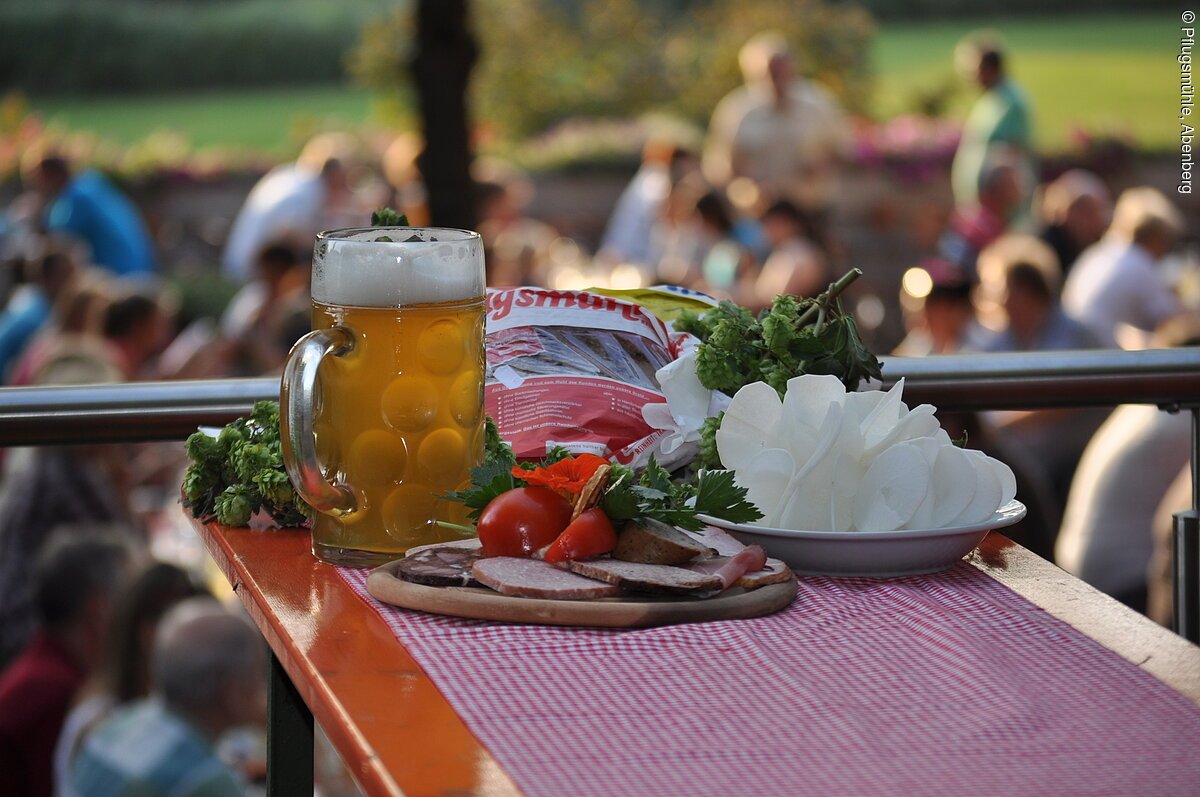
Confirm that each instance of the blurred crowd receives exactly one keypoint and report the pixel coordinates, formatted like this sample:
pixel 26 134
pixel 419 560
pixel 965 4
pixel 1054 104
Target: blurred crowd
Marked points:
pixel 103 649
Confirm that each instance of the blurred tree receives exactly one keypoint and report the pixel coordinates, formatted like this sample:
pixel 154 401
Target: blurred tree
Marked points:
pixel 441 67
pixel 544 60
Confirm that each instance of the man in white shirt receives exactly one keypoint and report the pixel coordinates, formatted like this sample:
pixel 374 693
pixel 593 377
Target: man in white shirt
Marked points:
pixel 785 133
pixel 1116 282
pixel 293 201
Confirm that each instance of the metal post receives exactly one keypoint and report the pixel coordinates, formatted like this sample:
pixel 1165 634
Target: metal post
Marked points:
pixel 289 737
pixel 1185 552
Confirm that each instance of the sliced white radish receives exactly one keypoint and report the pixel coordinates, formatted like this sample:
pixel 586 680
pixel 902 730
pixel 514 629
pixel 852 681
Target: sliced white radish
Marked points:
pixel 923 516
pixel 918 423
pixel 883 418
pixel 847 475
pixel 809 396
pixel 954 484
pixel 756 405
pixel 766 478
pixel 864 403
pixel 893 487
pixel 808 504
pixel 987 491
pixel 1008 481
pixel 750 425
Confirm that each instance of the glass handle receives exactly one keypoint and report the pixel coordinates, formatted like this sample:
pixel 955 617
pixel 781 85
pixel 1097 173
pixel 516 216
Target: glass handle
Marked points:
pixel 298 401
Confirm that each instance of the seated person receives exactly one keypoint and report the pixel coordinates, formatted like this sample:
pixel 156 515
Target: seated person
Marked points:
pixel 74 583
pixel 973 228
pixel 939 312
pixel 795 265
pixel 1075 210
pixel 89 207
pixel 122 673
pixel 1107 536
pixel 1019 275
pixel 207 677
pixel 1117 282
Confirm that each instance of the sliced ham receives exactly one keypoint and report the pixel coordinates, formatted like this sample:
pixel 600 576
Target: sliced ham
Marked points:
pixel 773 571
pixel 729 569
pixel 533 578
pixel 439 566
pixel 654 579
pixel 719 541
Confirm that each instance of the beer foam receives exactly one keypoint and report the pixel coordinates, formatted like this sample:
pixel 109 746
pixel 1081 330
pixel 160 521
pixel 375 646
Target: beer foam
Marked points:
pixel 352 269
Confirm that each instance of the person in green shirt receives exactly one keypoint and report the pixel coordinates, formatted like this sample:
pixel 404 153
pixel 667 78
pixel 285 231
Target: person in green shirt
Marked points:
pixel 1000 119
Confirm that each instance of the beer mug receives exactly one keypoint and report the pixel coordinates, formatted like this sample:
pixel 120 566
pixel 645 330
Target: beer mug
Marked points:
pixel 382 403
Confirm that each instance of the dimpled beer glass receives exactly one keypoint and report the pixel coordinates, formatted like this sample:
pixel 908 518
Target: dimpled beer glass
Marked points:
pixel 382 403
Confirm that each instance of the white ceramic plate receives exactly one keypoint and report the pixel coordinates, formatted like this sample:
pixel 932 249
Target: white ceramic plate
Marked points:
pixel 871 553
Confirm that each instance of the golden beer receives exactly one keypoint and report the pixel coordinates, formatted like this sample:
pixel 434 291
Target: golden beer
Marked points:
pixel 383 400
pixel 401 419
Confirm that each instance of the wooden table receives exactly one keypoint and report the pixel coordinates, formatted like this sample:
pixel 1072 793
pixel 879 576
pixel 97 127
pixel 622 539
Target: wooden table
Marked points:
pixel 396 733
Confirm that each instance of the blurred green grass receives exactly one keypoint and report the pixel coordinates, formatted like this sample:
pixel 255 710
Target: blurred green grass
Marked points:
pixel 262 119
pixel 1102 73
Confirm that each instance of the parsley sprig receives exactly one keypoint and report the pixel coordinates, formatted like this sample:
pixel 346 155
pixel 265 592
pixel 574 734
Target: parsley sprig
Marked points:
pixel 654 494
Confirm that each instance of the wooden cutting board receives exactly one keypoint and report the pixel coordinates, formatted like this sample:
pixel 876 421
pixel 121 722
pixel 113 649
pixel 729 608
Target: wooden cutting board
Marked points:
pixel 625 612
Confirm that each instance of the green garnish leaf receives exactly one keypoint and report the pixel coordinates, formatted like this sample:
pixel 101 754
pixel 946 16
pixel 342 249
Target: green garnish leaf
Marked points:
pixel 718 496
pixel 488 480
pixel 387 217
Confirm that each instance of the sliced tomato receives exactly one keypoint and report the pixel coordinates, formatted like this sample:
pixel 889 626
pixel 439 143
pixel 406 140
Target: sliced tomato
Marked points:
pixel 521 521
pixel 590 534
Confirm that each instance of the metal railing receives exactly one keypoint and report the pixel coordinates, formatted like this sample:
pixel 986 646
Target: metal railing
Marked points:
pixel 1169 378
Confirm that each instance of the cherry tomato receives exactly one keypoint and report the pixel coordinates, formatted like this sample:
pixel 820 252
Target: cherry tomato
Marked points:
pixel 521 521
pixel 590 534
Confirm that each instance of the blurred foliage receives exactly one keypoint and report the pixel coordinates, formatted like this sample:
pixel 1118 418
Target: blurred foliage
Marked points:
pixel 135 45
pixel 544 61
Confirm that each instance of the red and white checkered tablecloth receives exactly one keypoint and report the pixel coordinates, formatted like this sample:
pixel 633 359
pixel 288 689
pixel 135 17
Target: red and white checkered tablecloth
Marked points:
pixel 947 684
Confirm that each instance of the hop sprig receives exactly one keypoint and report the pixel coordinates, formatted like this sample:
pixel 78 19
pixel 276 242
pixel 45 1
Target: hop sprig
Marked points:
pixel 790 338
pixel 240 471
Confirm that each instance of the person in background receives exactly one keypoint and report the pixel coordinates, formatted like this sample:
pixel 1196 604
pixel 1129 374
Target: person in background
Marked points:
pixel 727 268
pixel 795 265
pixel 90 208
pixel 136 328
pixel 295 200
pixel 1074 210
pixel 974 226
pixel 516 247
pixel 31 306
pixel 254 316
pixel 1019 279
pixel 123 672
pixel 1000 118
pixel 1020 276
pixel 785 133
pixel 627 237
pixel 1107 536
pixel 74 328
pixel 73 586
pixel 1117 282
pixel 676 246
pixel 207 677
pixel 939 312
